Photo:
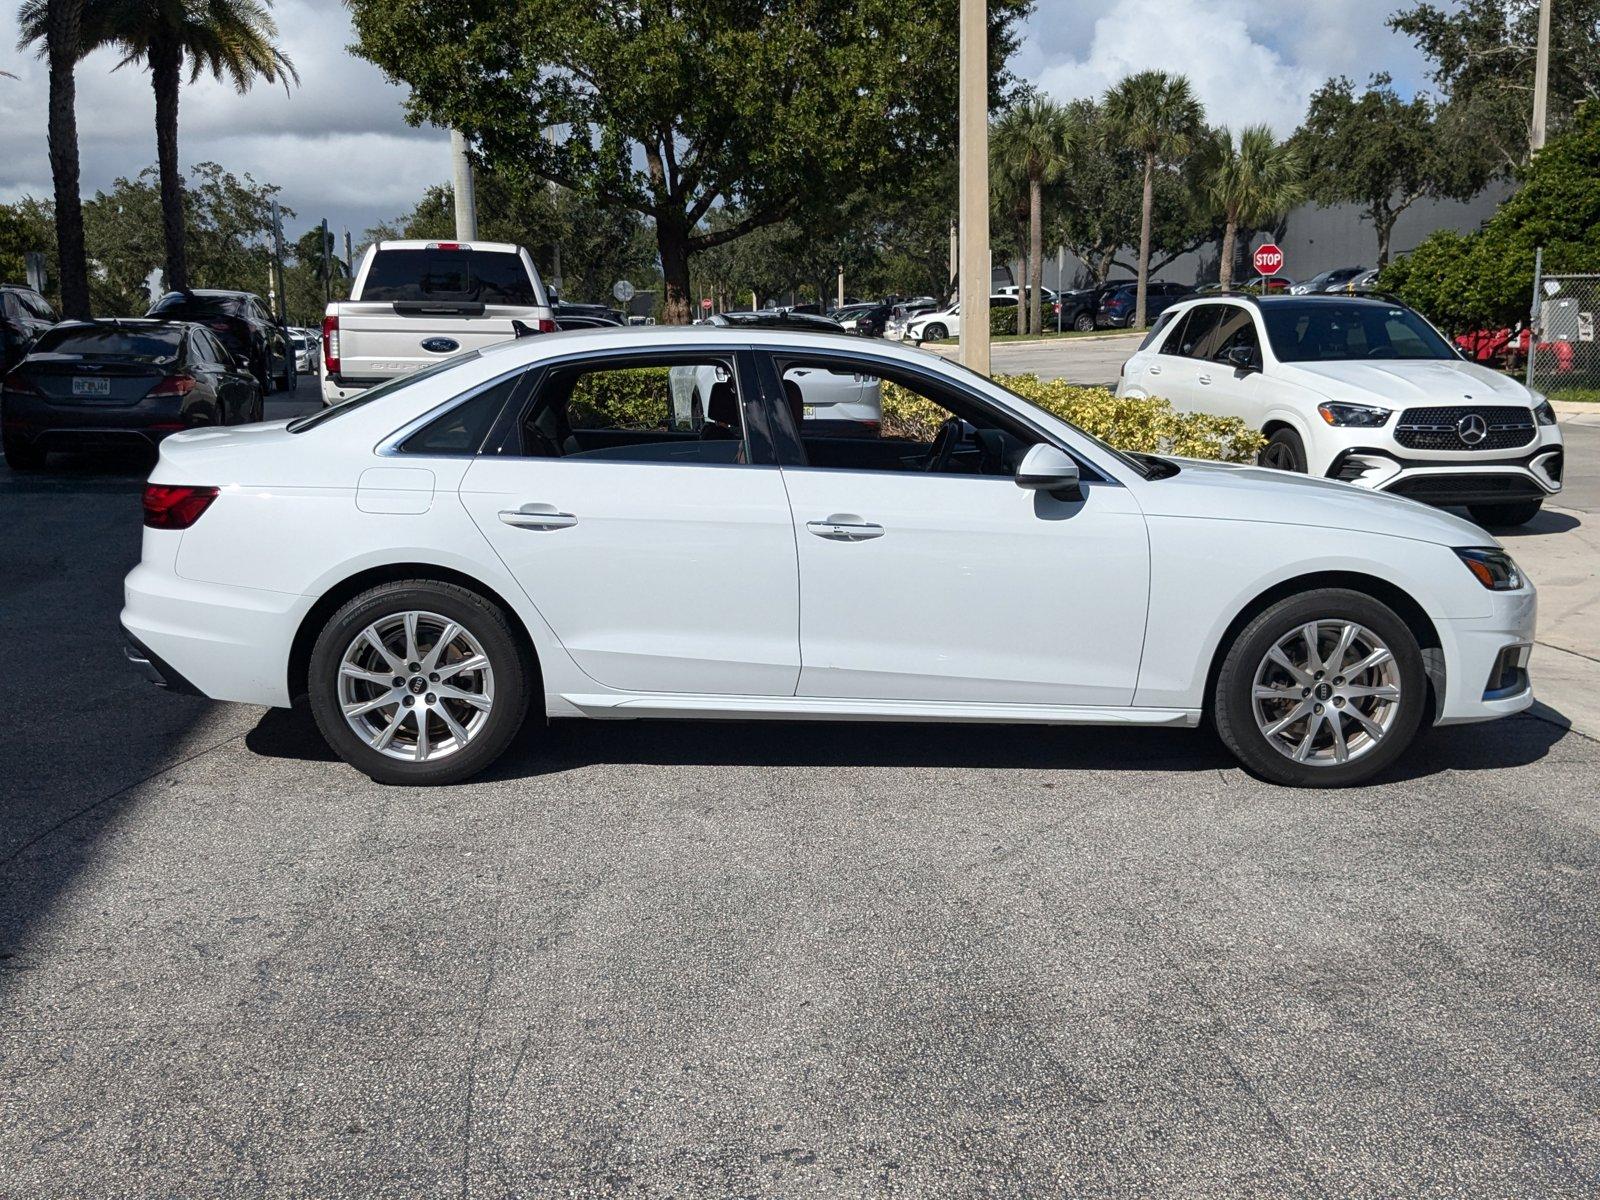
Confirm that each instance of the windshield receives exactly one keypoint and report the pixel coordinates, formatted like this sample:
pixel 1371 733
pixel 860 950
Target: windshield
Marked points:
pixel 472 276
pixel 1324 331
pixel 159 345
pixel 360 399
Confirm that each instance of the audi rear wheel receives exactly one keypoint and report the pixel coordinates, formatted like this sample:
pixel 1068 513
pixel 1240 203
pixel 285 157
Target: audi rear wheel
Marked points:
pixel 419 682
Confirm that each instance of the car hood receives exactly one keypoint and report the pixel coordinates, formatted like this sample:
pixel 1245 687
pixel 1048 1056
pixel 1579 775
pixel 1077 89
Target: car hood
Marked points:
pixel 1403 382
pixel 1231 492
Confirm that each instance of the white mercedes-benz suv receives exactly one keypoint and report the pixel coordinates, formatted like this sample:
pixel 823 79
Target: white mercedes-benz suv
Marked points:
pixel 1358 389
pixel 526 529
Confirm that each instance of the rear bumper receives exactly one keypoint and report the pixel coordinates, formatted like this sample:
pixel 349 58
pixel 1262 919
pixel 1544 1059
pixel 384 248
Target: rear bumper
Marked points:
pixel 64 427
pixel 214 640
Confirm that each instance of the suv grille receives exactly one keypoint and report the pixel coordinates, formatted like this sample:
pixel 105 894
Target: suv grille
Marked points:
pixel 1464 427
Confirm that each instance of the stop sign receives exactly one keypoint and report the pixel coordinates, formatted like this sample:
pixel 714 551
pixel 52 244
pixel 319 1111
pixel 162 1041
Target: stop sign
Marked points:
pixel 705 302
pixel 1268 259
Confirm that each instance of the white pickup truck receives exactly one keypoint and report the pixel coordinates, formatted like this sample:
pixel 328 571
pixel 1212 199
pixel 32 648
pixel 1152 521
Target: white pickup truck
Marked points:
pixel 415 303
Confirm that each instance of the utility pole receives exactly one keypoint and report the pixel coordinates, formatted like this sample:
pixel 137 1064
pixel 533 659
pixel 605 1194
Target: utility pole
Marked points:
pixel 280 306
pixel 349 259
pixel 841 285
pixel 955 253
pixel 974 155
pixel 1541 81
pixel 327 264
pixel 466 197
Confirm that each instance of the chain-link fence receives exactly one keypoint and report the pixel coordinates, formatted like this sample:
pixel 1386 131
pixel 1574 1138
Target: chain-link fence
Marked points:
pixel 1565 359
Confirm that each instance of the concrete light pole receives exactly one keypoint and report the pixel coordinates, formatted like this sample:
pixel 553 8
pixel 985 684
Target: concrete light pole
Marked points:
pixel 1541 80
pixel 466 197
pixel 974 162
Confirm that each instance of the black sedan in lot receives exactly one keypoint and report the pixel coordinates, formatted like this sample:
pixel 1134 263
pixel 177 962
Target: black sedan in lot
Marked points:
pixel 245 326
pixel 24 315
pixel 127 383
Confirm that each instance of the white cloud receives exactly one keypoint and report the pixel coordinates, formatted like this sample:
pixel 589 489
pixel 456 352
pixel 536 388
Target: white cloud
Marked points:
pixel 1250 61
pixel 338 144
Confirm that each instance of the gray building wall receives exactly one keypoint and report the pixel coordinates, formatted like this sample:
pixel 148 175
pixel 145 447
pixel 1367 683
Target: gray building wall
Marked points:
pixel 1316 239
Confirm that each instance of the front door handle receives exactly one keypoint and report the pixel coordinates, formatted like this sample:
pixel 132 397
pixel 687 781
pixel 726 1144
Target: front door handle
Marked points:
pixel 537 516
pixel 1153 369
pixel 845 527
pixel 1205 379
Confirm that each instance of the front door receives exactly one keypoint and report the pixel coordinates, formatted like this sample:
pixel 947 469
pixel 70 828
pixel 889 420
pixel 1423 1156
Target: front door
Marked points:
pixel 660 553
pixel 927 574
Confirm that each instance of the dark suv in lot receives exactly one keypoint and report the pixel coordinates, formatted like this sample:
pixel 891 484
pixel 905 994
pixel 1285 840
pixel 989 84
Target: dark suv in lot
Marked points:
pixel 1117 309
pixel 243 323
pixel 24 315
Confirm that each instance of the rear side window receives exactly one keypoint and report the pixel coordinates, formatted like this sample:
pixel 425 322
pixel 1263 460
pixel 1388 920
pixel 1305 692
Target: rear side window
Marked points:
pixel 463 428
pixel 471 276
pixel 1163 323
pixel 1196 332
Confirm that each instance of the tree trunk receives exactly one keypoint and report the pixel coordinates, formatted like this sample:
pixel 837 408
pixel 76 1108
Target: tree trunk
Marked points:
pixel 673 242
pixel 1144 240
pixel 63 24
pixel 1230 233
pixel 1385 225
pixel 1036 256
pixel 166 62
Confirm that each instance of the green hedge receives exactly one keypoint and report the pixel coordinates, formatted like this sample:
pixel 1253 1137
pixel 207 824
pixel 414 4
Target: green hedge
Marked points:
pixel 1003 320
pixel 1144 426
pixel 634 399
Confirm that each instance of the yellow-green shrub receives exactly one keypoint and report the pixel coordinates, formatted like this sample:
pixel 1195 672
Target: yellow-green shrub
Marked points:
pixel 637 398
pixel 1146 426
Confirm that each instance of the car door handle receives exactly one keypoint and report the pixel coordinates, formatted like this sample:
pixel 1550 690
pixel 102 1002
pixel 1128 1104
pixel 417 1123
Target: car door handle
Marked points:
pixel 1153 369
pixel 845 527
pixel 1205 379
pixel 537 516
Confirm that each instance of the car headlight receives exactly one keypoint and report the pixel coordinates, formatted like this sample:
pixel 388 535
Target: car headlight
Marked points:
pixel 1492 568
pixel 1364 416
pixel 1542 411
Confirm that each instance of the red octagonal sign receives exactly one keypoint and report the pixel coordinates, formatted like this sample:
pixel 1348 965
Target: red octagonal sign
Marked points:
pixel 1268 259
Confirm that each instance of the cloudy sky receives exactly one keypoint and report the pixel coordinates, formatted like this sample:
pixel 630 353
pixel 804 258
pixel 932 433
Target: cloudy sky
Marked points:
pixel 339 147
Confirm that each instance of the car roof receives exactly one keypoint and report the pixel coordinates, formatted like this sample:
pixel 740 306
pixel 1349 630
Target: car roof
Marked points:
pixel 678 337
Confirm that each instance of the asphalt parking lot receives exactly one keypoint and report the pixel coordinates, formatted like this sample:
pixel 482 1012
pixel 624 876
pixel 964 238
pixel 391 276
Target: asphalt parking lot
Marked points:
pixel 704 960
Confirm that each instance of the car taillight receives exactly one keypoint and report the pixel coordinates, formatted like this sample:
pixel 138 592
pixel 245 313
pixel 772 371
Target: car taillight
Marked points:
pixel 20 384
pixel 330 344
pixel 546 325
pixel 173 385
pixel 172 506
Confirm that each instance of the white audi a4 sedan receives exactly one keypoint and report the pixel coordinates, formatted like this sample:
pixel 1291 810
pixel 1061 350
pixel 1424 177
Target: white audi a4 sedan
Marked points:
pixel 530 530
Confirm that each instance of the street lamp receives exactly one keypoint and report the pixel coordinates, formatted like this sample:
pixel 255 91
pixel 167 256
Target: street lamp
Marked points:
pixel 974 186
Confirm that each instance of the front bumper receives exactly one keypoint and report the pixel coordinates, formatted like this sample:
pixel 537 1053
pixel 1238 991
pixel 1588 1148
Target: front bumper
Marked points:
pixel 1531 476
pixel 1486 660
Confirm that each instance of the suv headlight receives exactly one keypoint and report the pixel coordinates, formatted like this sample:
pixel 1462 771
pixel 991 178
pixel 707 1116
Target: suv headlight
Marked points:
pixel 1492 568
pixel 1364 416
pixel 1542 412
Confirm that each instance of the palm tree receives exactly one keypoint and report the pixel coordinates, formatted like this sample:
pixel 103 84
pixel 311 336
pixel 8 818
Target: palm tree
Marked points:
pixel 1157 115
pixel 230 39
pixel 1032 145
pixel 1251 180
pixel 55 26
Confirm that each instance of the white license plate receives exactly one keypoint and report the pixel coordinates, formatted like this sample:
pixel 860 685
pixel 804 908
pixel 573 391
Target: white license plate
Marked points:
pixel 84 386
pixel 810 410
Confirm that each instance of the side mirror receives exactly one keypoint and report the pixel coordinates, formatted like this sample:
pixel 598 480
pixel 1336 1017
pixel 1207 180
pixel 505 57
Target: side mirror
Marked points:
pixel 1048 469
pixel 242 362
pixel 1243 358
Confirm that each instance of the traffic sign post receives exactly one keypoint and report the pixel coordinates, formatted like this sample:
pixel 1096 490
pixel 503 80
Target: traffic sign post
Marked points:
pixel 1268 262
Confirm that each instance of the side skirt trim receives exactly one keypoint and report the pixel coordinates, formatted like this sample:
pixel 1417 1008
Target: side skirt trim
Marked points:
pixel 624 706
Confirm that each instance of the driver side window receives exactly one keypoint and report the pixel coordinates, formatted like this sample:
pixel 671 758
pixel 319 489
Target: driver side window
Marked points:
pixel 849 416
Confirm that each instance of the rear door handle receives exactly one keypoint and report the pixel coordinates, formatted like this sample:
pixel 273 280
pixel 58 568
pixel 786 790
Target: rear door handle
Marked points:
pixel 1206 379
pixel 845 527
pixel 537 516
pixel 1153 369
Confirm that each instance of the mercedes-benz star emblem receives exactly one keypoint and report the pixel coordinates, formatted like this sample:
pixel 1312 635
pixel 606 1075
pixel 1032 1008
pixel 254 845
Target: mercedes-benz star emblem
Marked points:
pixel 1472 429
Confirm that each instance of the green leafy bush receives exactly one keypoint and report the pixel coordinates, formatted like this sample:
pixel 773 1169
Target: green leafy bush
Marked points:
pixel 1003 320
pixel 631 399
pixel 1144 426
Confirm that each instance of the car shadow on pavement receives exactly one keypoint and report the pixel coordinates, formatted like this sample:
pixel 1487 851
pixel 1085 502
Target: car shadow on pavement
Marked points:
pixel 572 745
pixel 1547 522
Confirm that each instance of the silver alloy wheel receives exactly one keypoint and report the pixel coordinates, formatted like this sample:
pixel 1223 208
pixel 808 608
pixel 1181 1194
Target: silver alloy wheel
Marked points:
pixel 1327 693
pixel 416 686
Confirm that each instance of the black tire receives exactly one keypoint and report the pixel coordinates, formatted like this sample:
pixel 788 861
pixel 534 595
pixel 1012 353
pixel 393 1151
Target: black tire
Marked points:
pixel 1284 451
pixel 1083 322
pixel 1233 703
pixel 21 455
pixel 1518 512
pixel 513 675
pixel 934 333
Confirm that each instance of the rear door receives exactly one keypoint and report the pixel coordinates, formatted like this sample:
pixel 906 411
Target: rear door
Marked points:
pixel 1226 389
pixel 1173 372
pixel 662 557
